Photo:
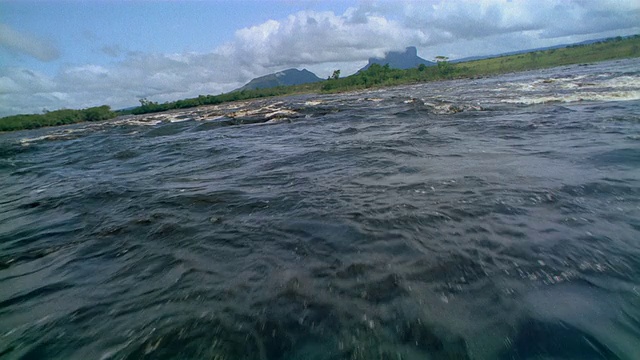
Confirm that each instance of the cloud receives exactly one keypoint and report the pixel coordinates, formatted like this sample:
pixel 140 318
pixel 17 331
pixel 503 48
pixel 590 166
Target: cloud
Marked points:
pixel 468 19
pixel 27 44
pixel 590 17
pixel 159 77
pixel 309 37
pixel 321 41
pixel 478 19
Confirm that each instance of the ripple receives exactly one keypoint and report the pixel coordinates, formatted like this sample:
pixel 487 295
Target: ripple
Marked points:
pixel 426 221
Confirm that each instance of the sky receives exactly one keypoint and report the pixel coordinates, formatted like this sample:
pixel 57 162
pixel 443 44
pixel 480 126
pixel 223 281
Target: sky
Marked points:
pixel 78 54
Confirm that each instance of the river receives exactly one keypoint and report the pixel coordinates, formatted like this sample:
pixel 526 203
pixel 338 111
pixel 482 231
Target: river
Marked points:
pixel 493 218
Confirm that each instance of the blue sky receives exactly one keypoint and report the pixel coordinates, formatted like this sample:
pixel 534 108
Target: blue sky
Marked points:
pixel 97 31
pixel 74 54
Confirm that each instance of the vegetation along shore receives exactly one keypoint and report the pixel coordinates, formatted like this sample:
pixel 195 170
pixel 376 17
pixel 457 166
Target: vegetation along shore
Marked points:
pixel 374 76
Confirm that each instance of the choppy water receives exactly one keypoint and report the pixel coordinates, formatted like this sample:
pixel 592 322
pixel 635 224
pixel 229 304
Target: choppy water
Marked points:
pixel 487 219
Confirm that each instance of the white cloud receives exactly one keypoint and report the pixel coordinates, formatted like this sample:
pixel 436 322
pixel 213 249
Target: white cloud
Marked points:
pixel 590 17
pixel 158 77
pixel 319 41
pixel 27 44
pixel 309 37
pixel 25 81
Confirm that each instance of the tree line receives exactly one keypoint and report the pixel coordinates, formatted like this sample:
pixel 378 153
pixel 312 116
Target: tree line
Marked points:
pixel 147 106
pixel 57 117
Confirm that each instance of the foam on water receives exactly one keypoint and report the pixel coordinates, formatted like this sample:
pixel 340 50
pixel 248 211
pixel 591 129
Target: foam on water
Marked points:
pixel 576 97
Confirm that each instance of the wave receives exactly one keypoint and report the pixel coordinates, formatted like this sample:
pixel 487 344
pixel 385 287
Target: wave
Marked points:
pixel 576 97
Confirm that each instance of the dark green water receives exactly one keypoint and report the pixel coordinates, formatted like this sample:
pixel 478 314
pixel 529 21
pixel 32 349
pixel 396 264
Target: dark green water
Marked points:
pixel 488 219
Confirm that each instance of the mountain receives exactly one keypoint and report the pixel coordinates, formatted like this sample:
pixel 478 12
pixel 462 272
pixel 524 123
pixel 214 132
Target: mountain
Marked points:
pixel 282 78
pixel 400 60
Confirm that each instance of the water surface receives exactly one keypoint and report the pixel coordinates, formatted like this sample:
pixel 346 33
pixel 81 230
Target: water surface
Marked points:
pixel 494 218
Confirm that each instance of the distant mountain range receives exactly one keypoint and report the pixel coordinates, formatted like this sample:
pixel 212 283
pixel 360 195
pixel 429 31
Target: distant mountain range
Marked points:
pixel 282 78
pixel 400 60
pixel 396 59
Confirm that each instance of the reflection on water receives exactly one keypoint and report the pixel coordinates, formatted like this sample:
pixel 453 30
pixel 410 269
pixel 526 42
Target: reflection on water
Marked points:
pixel 489 219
